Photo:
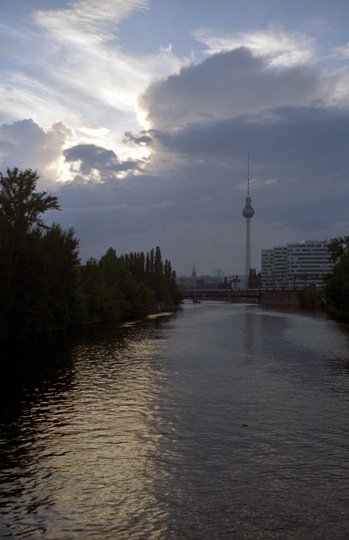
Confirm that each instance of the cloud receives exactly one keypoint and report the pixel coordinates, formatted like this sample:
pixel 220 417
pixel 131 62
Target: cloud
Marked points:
pixel 280 48
pixel 87 18
pixel 140 139
pixel 24 144
pixel 83 57
pixel 303 150
pixel 90 159
pixel 73 68
pixel 226 85
pixel 281 135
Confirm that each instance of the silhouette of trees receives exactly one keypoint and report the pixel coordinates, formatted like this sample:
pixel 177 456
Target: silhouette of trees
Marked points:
pixel 157 275
pixel 38 264
pixel 254 279
pixel 21 206
pixel 111 293
pixel 43 287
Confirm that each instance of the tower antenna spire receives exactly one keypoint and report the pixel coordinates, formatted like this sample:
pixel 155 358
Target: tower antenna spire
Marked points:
pixel 248 175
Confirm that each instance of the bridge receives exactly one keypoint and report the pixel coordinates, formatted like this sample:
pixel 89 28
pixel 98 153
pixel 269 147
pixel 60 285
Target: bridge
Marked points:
pixel 228 295
pixel 278 297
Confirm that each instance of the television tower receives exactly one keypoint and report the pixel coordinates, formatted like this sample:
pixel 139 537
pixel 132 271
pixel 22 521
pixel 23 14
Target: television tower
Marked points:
pixel 248 213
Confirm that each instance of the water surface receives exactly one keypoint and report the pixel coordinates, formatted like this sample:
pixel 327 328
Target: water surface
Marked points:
pixel 222 421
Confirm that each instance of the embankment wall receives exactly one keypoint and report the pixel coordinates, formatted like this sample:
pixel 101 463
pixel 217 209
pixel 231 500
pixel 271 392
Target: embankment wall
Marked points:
pixel 280 298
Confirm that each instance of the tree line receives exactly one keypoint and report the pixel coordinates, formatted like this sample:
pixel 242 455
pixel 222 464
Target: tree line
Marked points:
pixel 43 285
pixel 333 297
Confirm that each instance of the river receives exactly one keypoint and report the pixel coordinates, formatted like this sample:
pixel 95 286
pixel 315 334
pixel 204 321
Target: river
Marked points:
pixel 220 421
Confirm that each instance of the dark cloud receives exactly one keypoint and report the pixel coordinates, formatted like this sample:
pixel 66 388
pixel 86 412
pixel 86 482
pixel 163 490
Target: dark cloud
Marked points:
pixel 226 85
pixel 91 157
pixel 143 139
pixel 292 143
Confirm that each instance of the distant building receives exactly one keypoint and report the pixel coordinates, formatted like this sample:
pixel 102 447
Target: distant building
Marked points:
pixel 295 266
pixel 210 283
pixel 200 283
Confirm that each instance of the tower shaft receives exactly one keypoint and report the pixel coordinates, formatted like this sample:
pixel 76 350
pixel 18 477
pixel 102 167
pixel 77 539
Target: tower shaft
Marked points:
pixel 248 249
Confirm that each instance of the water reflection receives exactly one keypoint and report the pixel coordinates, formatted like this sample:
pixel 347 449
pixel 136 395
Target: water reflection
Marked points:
pixel 84 435
pixel 34 380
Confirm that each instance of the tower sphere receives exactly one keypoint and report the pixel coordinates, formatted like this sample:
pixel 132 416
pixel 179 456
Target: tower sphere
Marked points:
pixel 248 211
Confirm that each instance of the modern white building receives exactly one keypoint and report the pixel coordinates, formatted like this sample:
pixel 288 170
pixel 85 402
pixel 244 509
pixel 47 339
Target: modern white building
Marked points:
pixel 295 266
pixel 274 268
pixel 268 269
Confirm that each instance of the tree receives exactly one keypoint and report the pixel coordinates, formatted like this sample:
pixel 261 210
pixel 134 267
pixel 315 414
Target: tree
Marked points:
pixel 254 279
pixel 60 260
pixel 338 247
pixel 157 275
pixel 111 292
pixel 21 206
pixel 337 282
pixel 89 279
pixel 38 264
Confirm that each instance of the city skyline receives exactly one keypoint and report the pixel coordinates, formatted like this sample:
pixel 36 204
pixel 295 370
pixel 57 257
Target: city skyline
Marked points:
pixel 139 115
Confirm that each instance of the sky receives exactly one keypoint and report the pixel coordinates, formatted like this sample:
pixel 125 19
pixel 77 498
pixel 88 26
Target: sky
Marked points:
pixel 140 115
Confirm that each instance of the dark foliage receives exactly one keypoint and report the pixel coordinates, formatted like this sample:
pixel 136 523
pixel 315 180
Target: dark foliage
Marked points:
pixel 157 275
pixel 38 265
pixel 21 206
pixel 111 293
pixel 254 279
pixel 43 286
pixel 337 282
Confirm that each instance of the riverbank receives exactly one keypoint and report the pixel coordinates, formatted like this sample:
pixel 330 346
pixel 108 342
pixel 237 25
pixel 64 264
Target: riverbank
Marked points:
pixel 281 298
